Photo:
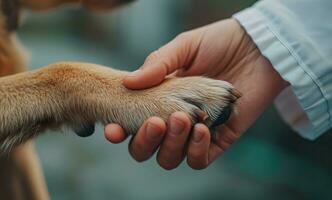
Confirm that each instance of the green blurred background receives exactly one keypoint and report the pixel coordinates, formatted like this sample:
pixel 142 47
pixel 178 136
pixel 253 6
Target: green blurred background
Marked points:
pixel 269 162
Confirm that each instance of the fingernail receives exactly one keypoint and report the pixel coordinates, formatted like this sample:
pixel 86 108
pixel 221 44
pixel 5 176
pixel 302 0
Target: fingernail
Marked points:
pixel 176 127
pixel 152 131
pixel 198 136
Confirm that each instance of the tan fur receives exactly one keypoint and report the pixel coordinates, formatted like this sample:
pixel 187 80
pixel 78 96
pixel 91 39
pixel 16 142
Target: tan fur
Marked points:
pixel 21 176
pixel 81 94
pixel 78 95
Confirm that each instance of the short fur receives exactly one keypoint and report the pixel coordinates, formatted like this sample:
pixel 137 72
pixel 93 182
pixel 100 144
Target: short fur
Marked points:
pixel 81 94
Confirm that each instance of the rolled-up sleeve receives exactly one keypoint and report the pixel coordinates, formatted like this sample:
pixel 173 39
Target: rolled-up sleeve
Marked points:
pixel 296 36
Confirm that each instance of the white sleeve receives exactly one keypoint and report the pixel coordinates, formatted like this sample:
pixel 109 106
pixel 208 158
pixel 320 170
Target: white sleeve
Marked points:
pixel 296 36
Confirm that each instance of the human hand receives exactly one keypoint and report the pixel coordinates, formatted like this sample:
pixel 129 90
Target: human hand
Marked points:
pixel 222 51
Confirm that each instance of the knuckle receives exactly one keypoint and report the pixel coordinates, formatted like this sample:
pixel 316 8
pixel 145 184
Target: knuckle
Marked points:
pixel 223 145
pixel 230 138
pixel 154 55
pixel 166 64
pixel 183 37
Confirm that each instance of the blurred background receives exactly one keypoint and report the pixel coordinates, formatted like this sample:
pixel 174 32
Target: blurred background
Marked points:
pixel 269 162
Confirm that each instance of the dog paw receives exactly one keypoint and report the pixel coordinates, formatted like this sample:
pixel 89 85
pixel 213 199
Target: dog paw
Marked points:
pixel 206 100
pixel 99 96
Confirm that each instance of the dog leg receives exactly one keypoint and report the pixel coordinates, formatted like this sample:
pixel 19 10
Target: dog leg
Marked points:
pixel 21 175
pixel 79 95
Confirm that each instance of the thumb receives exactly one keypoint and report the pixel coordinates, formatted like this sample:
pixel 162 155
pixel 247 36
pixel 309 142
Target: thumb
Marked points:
pixel 174 55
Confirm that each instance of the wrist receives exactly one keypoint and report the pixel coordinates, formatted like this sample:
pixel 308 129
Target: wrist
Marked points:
pixel 253 62
pixel 278 83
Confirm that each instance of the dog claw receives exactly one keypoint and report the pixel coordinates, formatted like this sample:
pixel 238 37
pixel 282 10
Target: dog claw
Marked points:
pixel 202 116
pixel 237 93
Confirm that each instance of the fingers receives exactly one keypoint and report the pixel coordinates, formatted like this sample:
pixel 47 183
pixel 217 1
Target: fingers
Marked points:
pixel 173 141
pixel 148 138
pixel 174 55
pixel 114 133
pixel 172 150
pixel 198 148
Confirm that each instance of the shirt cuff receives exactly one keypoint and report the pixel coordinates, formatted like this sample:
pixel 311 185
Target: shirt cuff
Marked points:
pixel 302 105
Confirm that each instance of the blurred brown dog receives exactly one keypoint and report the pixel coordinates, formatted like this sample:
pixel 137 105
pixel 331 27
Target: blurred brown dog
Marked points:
pixel 78 95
